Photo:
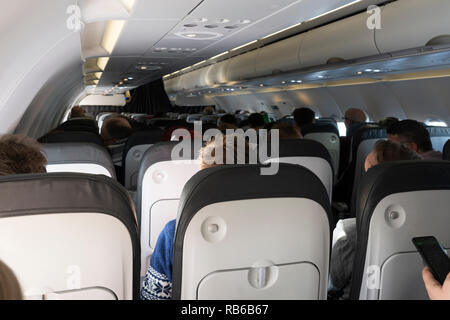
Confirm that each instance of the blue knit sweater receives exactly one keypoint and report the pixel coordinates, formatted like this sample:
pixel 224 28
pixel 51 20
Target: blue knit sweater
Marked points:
pixel 158 280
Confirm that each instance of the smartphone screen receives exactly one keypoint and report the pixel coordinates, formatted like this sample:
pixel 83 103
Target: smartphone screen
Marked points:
pixel 434 256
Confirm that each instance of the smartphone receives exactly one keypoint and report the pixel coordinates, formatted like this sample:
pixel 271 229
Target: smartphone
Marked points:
pixel 434 256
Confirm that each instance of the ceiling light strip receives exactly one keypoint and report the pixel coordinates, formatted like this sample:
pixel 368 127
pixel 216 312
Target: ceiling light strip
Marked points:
pixel 111 35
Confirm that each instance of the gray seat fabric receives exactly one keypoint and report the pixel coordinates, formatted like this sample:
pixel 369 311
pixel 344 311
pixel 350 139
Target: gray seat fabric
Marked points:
pixel 59 226
pixel 396 202
pixel 328 135
pixel 134 149
pixel 78 157
pixel 255 236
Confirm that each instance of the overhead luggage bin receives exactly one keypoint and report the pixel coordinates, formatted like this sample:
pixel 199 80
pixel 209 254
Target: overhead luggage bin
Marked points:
pixel 345 39
pixel 410 24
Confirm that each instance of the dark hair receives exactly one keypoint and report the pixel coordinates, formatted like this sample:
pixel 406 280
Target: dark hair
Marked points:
pixel 303 116
pixel 387 151
pixel 387 122
pixel 229 118
pixel 20 155
pixel 412 131
pixel 117 129
pixel 256 120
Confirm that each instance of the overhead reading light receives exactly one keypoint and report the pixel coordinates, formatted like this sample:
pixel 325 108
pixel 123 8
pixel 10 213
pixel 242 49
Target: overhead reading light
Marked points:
pixel 112 33
pixel 201 20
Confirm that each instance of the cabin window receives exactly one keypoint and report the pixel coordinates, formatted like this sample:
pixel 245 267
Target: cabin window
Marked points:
pixel 435 123
pixel 342 128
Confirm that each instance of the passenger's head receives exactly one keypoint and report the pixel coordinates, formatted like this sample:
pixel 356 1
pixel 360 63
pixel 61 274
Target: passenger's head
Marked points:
pixel 77 112
pixel 9 285
pixel 287 130
pixel 208 111
pixel 412 133
pixel 116 129
pixel 235 144
pixel 353 116
pixel 386 151
pixel 304 116
pixel 387 122
pixel 229 118
pixel 256 121
pixel 20 155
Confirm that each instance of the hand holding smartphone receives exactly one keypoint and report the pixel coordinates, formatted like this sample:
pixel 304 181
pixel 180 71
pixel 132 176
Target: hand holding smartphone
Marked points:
pixel 434 256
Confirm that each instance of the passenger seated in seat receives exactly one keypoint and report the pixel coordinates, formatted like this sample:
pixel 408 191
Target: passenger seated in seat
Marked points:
pixel 304 116
pixel 416 136
pixel 227 121
pixel 387 122
pixel 115 133
pixel 354 120
pixel 77 112
pixel 208 111
pixel 287 130
pixel 158 280
pixel 9 285
pixel 256 121
pixel 343 251
pixel 20 155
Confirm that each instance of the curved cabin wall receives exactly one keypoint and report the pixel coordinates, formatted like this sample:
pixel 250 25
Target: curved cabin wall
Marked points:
pixel 39 59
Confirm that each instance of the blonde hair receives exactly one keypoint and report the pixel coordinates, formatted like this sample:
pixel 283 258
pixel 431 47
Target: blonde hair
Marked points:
pixel 9 285
pixel 208 157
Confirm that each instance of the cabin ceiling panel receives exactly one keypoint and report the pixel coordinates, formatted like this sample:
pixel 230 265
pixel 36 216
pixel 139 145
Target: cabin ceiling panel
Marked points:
pixel 164 10
pixel 101 10
pixel 138 36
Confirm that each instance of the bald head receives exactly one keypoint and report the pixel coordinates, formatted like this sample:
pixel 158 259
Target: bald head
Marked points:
pixel 353 116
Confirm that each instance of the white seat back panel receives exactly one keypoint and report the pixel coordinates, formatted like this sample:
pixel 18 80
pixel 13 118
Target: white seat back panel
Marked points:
pixel 247 233
pixel 54 253
pixel 162 185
